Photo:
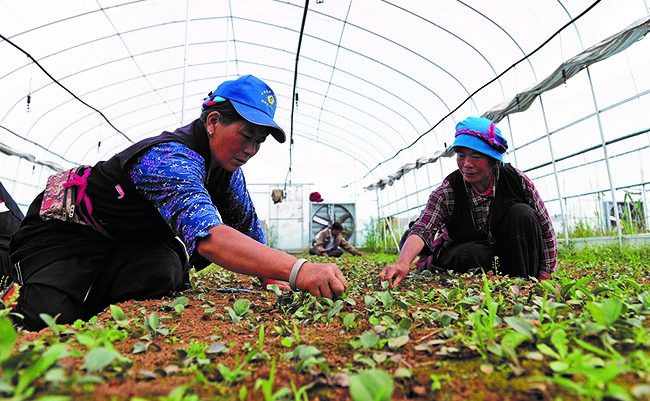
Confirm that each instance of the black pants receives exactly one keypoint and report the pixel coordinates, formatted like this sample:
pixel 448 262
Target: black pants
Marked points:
pixel 10 218
pixel 73 271
pixel 518 247
pixel 5 267
pixel 334 253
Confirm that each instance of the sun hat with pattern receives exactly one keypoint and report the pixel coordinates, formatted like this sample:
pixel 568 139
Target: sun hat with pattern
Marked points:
pixel 481 135
pixel 252 98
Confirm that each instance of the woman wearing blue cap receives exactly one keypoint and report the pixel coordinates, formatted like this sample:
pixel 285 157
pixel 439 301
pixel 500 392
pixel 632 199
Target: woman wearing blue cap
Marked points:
pixel 483 210
pixel 144 217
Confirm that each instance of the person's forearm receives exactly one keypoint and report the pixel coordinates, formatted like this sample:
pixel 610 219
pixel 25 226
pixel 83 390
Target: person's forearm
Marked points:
pixel 235 251
pixel 410 250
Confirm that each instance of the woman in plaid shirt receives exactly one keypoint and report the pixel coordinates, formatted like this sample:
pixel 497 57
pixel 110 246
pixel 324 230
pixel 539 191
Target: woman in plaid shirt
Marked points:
pixel 484 214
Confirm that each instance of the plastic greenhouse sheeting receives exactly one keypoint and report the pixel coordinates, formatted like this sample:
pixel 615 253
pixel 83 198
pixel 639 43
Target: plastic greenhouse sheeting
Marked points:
pixel 368 91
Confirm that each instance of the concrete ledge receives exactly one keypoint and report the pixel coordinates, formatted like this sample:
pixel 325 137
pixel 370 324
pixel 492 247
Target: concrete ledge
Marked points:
pixel 627 240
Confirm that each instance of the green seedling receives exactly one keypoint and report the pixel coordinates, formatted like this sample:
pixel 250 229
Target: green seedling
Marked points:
pixel 368 340
pixel 607 313
pixel 371 384
pixel 288 341
pixel 438 380
pixel 153 325
pixel 118 315
pixel 486 324
pixel 179 304
pixel 267 386
pixel 99 358
pixel 239 372
pixel 21 371
pixel 300 394
pixel 239 310
pixel 307 357
pixel 177 394
pixel 194 353
pixel 348 321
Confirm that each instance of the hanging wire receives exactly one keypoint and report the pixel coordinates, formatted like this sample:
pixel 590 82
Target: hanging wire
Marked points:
pixel 294 94
pixel 99 143
pixel 63 87
pixel 29 89
pixel 571 22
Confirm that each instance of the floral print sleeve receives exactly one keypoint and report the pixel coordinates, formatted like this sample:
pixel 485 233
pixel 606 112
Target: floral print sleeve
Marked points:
pixel 237 208
pixel 172 177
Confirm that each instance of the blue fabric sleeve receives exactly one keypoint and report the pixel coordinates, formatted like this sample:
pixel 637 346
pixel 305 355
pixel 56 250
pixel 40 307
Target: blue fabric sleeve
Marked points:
pixel 238 210
pixel 172 177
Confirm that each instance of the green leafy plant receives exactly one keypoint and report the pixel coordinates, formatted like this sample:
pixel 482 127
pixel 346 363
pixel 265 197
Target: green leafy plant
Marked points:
pixel 153 324
pixel 581 335
pixel 239 310
pixel 267 386
pixel 20 372
pixel 307 357
pixel 372 384
pixel 485 322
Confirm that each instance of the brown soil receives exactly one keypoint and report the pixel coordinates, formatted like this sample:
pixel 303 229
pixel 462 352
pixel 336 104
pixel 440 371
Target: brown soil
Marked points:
pixel 161 369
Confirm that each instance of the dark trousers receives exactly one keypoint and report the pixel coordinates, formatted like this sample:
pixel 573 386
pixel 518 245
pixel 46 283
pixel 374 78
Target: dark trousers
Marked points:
pixel 518 247
pixel 73 271
pixel 5 267
pixel 334 253
pixel 10 218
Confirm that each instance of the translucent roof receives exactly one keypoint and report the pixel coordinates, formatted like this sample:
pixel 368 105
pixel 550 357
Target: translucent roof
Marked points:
pixel 364 88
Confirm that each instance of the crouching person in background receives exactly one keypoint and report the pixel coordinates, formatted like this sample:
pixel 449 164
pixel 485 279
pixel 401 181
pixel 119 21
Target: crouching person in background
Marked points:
pixel 330 242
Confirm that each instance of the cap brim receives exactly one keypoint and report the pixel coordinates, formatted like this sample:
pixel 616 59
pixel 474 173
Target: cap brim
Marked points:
pixel 258 117
pixel 472 142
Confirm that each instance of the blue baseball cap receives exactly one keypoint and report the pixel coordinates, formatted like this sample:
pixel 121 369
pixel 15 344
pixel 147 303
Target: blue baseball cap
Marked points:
pixel 481 135
pixel 253 99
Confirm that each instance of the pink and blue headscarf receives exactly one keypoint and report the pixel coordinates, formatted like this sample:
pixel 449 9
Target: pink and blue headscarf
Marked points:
pixel 481 135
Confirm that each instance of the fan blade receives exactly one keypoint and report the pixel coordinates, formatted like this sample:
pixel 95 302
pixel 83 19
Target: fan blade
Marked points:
pixel 320 220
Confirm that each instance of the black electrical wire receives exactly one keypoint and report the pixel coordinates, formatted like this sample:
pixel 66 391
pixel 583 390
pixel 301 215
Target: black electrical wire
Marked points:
pixel 294 99
pixel 572 21
pixel 38 146
pixel 62 86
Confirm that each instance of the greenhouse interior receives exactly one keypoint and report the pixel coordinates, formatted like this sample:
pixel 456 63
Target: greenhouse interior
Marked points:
pixel 368 94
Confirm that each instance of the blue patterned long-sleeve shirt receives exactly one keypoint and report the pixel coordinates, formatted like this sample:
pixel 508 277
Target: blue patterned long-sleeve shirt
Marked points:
pixel 173 177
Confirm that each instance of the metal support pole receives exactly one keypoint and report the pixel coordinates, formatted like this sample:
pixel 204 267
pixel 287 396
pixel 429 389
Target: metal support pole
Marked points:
pixel 378 211
pixel 557 181
pixel 612 188
pixel 646 222
pixel 392 234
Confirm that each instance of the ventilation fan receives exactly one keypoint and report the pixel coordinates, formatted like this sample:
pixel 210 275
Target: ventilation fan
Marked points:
pixel 324 214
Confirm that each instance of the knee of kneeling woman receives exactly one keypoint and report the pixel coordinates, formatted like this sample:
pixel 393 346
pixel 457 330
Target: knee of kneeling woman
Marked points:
pixel 520 213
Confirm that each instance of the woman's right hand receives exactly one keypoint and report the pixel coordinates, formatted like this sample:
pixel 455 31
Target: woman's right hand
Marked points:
pixel 321 280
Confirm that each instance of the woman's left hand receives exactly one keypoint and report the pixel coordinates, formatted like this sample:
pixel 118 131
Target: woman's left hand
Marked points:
pixel 282 285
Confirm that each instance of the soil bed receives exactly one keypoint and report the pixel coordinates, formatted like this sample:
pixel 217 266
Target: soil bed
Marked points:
pixel 196 350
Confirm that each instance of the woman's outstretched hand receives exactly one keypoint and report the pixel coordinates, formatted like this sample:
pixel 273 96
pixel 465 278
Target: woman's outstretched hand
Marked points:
pixel 394 274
